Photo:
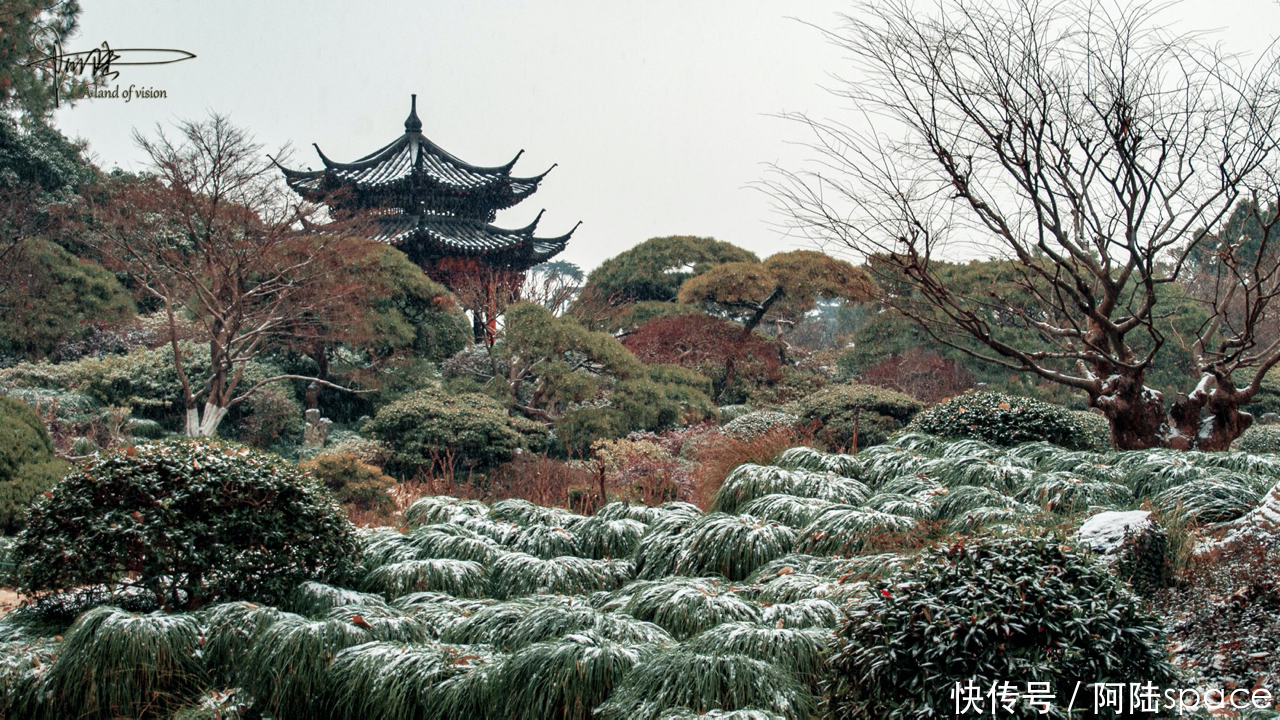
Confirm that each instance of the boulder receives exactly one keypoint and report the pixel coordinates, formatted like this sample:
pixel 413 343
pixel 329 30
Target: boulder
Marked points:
pixel 1132 543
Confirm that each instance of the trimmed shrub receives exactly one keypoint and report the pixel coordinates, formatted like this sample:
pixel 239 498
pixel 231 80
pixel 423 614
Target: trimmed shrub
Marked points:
pixel 352 481
pixel 1007 420
pixel 753 424
pixel 876 412
pixel 27 465
pixel 189 521
pixel 991 610
pixel 433 430
pixel 1259 439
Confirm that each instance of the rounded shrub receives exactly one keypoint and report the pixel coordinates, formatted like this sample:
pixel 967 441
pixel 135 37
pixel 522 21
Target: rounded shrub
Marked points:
pixel 27 465
pixel 352 481
pixel 1259 439
pixel 434 430
pixel 186 521
pixel 875 413
pixel 1007 420
pixel 991 610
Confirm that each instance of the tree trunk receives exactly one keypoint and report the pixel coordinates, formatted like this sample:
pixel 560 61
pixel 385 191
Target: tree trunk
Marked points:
pixel 1136 413
pixel 1224 422
pixel 206 426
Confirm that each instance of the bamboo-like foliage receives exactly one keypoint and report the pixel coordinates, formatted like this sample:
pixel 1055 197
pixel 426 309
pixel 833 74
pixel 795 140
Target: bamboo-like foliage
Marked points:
pixel 795 512
pixel 494 625
pixel 523 512
pixel 601 538
pixel 842 529
pixel 24 666
pixel 386 547
pixel 454 542
pixel 286 669
pixel 646 514
pixel 1067 492
pixel 475 692
pixel 885 462
pixel 964 499
pixel 680 679
pixel 916 442
pixel 1219 499
pixel 790 587
pixel 807 458
pixel 685 607
pixel 913 484
pixel 544 541
pixel 804 613
pixel 460 578
pixel 732 545
pixel 749 482
pixel 387 681
pixel 799 651
pixel 385 623
pixel 517 574
pixel 438 611
pixel 230 630
pixel 114 663
pixel 554 621
pixel 958 472
pixel 499 532
pixel 434 509
pixel 659 550
pixel 920 505
pixel 718 714
pixel 316 599
pixel 566 678
pixel 990 517
pixel 791 563
pixel 968 448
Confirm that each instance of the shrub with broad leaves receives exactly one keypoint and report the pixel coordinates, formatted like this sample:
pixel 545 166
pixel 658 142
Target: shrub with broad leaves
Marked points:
pixel 1016 609
pixel 186 522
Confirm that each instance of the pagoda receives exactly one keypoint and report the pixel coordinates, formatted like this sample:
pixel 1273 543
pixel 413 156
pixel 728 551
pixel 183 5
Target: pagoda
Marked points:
pixel 438 210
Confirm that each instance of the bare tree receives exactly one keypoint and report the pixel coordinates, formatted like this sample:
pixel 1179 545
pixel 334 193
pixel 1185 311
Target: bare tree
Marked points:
pixel 214 233
pixel 1093 149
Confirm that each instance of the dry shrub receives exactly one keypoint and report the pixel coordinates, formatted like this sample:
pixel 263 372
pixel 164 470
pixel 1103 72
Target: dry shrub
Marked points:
pixel 717 455
pixel 538 479
pixel 922 374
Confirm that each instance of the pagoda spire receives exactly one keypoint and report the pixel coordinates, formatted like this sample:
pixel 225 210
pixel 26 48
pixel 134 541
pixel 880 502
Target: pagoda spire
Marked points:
pixel 413 124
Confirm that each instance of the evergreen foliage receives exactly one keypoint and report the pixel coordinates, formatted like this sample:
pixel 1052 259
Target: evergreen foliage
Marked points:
pixel 28 467
pixel 187 522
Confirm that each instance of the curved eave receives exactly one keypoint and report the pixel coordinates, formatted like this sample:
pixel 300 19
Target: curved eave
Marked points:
pixel 424 237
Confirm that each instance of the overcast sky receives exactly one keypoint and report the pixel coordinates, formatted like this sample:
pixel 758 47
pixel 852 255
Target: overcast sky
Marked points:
pixel 659 114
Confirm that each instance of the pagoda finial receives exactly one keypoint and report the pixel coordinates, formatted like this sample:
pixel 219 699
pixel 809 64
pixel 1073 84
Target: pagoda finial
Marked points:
pixel 413 124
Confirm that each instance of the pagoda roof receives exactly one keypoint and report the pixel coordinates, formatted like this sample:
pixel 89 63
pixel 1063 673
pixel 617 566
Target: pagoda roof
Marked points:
pixel 426 236
pixel 415 174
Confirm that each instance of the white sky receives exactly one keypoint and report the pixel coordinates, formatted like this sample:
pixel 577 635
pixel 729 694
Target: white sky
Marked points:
pixel 658 113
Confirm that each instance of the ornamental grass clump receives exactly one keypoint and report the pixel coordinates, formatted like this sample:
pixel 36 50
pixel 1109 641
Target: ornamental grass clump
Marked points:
pixel 433 509
pixel 23 668
pixel 460 578
pixel 315 599
pixel 843 530
pixel 568 677
pixel 676 679
pixel 517 574
pixel 989 610
pixel 732 545
pixel 286 669
pixel 685 607
pixel 795 512
pixel 389 681
pixel 453 542
pixel 114 663
pixel 799 651
pixel 544 541
pixel 230 630
pixel 601 538
pixel 804 613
